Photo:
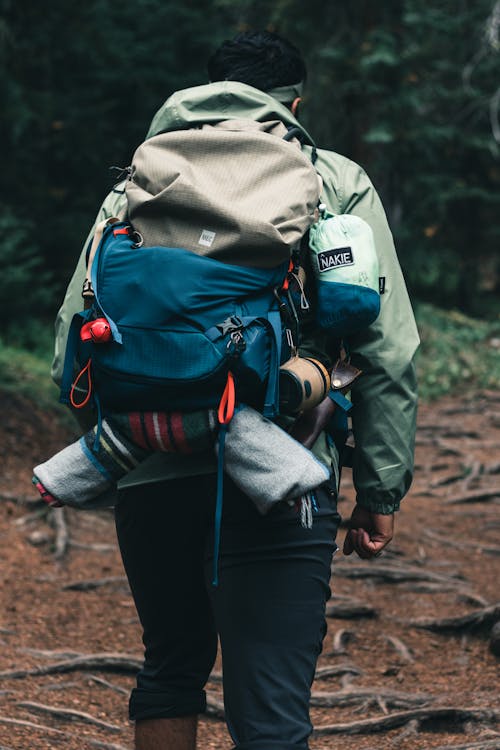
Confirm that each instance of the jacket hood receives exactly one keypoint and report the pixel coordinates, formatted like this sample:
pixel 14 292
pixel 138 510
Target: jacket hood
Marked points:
pixel 215 102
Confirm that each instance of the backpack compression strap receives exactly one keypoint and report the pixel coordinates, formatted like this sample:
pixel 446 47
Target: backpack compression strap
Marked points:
pixel 224 415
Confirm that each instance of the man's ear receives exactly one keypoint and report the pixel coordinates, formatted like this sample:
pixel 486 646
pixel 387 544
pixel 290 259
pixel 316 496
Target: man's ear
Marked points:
pixel 295 106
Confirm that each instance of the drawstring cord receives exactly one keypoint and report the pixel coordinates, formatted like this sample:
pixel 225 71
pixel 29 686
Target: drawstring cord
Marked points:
pixel 84 371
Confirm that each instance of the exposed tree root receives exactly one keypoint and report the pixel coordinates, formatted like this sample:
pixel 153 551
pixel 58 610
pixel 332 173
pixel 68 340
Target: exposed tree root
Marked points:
pixel 365 697
pixel 105 683
pixel 323 673
pixel 349 697
pixel 68 714
pixel 62 534
pixel 215 706
pixel 95 583
pixel 468 597
pixel 480 619
pixel 340 641
pixel 13 497
pixel 33 516
pixel 343 608
pixel 59 654
pixel 474 496
pixel 92 547
pixel 394 573
pixel 480 745
pixel 495 639
pixel 471 544
pixel 437 716
pixel 113 662
pixel 401 648
pixel 410 730
pixel 51 730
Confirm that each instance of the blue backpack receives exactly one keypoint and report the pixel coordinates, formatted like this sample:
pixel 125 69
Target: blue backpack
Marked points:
pixel 178 324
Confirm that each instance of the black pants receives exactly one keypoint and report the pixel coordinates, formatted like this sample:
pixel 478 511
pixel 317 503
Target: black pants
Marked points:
pixel 268 608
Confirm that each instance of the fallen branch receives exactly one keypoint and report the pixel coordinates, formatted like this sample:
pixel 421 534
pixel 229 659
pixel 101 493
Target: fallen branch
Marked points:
pixel 440 716
pixel 113 662
pixel 477 620
pixel 68 714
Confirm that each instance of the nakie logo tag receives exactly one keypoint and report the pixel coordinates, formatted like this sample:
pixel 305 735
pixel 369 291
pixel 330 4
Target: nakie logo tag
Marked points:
pixel 341 256
pixel 206 238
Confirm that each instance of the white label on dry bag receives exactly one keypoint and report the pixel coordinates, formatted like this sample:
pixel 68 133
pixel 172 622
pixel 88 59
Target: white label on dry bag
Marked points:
pixel 341 256
pixel 206 238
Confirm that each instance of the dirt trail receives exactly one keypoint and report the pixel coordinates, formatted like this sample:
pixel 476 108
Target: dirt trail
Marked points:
pixel 376 665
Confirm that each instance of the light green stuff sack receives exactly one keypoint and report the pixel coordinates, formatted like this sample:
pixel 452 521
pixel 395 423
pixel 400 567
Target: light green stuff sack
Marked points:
pixel 346 269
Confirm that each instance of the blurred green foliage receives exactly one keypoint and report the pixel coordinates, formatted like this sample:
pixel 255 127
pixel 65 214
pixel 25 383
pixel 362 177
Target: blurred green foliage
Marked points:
pixel 458 354
pixel 406 89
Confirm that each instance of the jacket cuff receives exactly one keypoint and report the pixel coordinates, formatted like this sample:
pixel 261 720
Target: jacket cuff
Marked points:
pixel 386 508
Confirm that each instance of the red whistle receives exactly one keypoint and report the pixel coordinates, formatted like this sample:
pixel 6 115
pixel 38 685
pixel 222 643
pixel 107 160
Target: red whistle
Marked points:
pixel 97 331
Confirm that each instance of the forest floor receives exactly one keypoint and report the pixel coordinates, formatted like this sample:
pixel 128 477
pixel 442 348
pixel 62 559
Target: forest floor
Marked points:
pixel 382 681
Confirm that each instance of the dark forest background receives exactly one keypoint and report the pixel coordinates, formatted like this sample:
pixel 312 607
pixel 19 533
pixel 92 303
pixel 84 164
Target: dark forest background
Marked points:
pixel 409 89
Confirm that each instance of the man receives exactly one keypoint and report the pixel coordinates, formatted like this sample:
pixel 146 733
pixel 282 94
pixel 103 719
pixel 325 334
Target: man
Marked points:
pixel 268 609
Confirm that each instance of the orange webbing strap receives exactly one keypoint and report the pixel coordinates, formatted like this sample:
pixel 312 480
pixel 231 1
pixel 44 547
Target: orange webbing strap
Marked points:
pixel 286 282
pixel 227 402
pixel 225 414
pixel 85 401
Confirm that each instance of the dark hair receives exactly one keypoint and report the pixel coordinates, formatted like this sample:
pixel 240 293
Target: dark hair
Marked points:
pixel 258 58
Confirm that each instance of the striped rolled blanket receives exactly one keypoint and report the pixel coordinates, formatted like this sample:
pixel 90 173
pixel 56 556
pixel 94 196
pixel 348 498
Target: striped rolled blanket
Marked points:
pixel 94 464
pixel 262 459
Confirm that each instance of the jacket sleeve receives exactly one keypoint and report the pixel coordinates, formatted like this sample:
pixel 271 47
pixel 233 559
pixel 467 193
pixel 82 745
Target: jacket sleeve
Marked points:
pixel 385 396
pixel 113 205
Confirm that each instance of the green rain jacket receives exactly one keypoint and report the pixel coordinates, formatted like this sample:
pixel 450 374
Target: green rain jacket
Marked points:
pixel 385 396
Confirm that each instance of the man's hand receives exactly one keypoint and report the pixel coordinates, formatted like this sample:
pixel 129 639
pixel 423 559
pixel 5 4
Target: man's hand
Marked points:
pixel 309 425
pixel 368 533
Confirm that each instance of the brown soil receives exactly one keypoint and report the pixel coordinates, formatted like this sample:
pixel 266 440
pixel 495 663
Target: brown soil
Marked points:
pixel 457 455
